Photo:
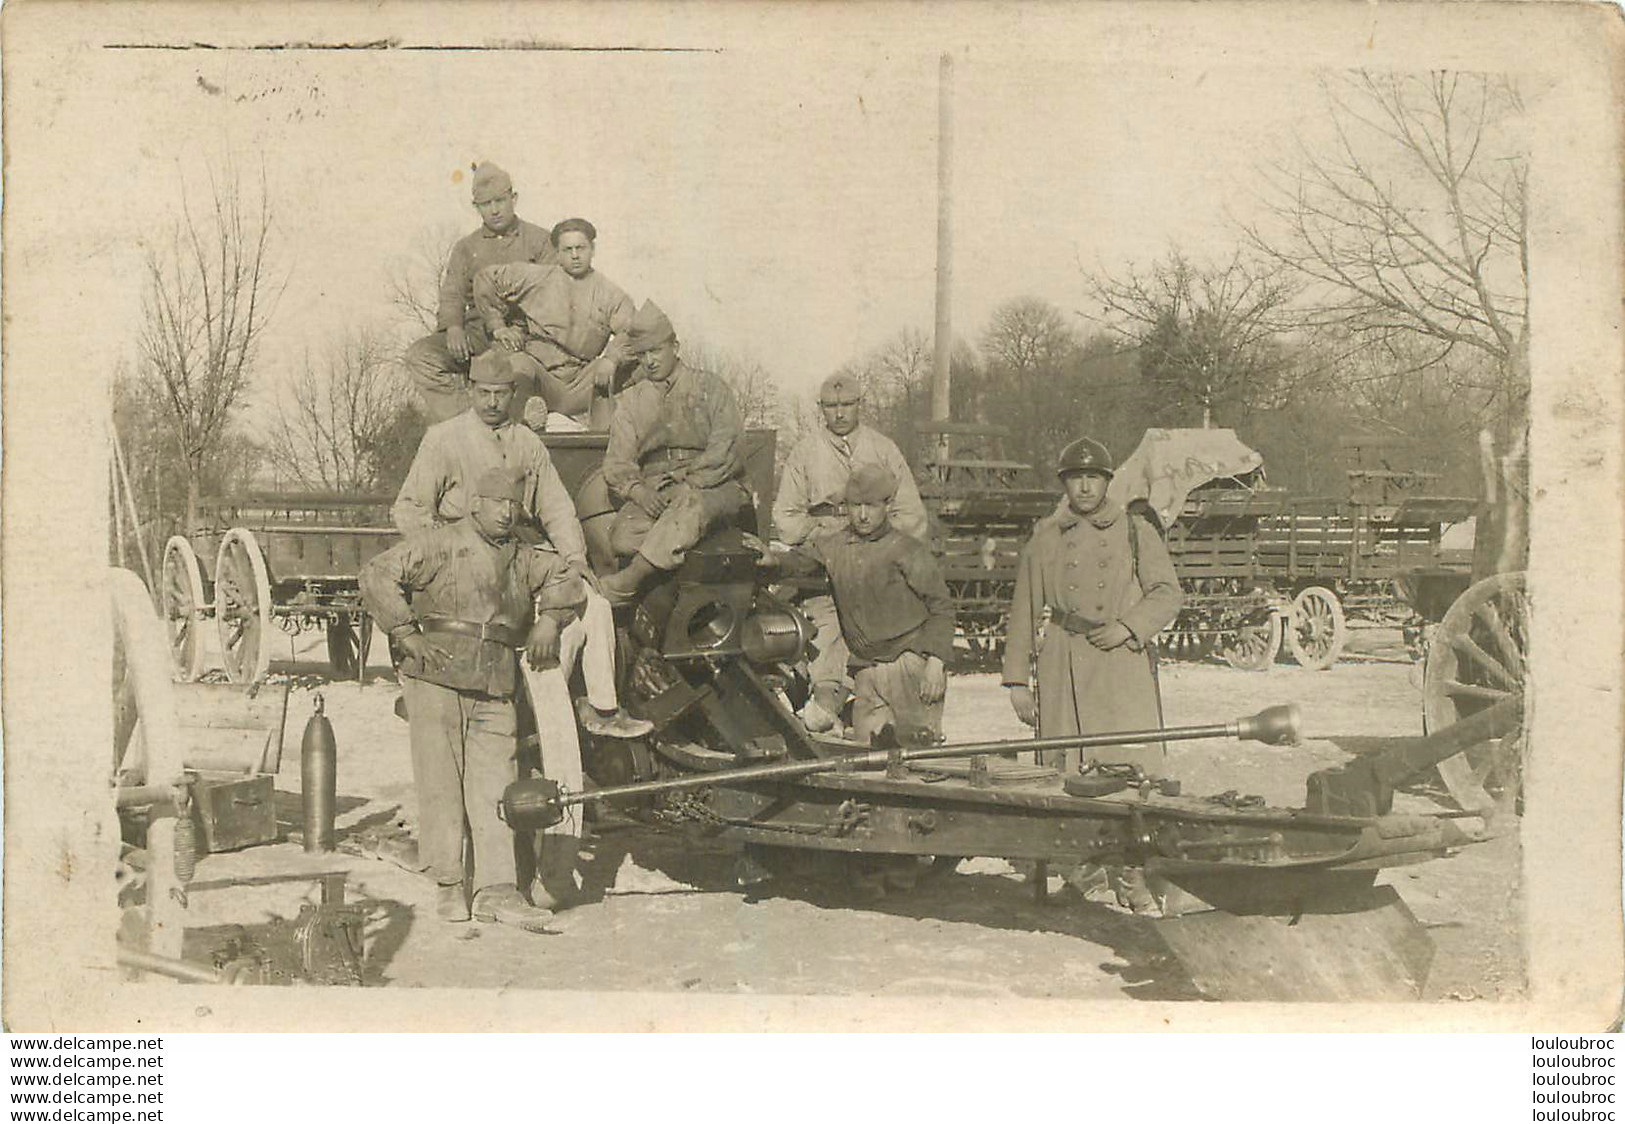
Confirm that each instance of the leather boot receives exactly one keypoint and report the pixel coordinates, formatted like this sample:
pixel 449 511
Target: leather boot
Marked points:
pixel 451 902
pixel 505 905
pixel 623 585
pixel 554 887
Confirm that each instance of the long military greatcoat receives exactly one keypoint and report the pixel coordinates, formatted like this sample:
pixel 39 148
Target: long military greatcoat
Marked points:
pixel 1083 564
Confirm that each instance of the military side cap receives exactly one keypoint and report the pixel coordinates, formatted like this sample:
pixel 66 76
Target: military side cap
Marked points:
pixel 490 181
pixel 565 227
pixel 649 329
pixel 493 367
pixel 839 389
pixel 870 483
pixel 500 484
pixel 1084 455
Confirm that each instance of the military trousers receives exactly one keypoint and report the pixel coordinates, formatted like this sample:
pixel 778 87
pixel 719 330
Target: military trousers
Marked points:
pixel 463 756
pixel 441 379
pixel 827 668
pixel 690 513
pixel 890 692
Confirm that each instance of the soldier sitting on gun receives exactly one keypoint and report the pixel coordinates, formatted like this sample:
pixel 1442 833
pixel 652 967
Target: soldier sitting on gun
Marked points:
pixel 572 319
pixel 438 363
pixel 673 461
pixel 895 612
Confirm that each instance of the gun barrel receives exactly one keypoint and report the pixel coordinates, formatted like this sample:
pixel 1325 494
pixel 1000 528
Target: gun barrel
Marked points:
pixel 1274 726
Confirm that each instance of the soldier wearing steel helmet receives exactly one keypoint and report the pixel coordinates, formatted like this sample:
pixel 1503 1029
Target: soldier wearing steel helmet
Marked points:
pixel 1089 599
pixel 1093 588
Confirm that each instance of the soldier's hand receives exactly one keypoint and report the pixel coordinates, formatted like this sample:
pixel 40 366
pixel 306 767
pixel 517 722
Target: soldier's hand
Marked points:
pixel 933 681
pixel 542 645
pixel 588 578
pixel 429 655
pixel 1113 634
pixel 510 336
pixel 535 415
pixel 649 499
pixel 457 342
pixel 1026 708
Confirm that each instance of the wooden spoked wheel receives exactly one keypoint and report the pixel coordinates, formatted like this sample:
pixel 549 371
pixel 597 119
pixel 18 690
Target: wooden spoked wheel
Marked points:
pixel 1254 645
pixel 348 642
pixel 242 597
pixel 1477 657
pixel 183 605
pixel 1316 630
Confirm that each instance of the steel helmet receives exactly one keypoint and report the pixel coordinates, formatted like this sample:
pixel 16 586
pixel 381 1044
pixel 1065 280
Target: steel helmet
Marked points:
pixel 1084 455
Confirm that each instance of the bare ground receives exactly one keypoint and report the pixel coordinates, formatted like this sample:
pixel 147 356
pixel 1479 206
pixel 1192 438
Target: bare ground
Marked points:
pixel 670 917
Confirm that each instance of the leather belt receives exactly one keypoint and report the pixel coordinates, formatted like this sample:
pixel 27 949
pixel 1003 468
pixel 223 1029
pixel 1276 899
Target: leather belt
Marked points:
pixel 1075 623
pixel 494 631
pixel 834 507
pixel 657 457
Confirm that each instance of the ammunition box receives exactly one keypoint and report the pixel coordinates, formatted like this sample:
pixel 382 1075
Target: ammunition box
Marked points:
pixel 231 811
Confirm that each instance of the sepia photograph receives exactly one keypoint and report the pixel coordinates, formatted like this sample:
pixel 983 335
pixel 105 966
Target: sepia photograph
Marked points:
pixel 740 512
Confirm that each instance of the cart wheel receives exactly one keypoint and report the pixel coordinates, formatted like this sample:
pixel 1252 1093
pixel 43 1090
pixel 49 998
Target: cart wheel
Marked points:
pixel 1316 631
pixel 1253 647
pixel 1477 657
pixel 242 599
pixel 183 608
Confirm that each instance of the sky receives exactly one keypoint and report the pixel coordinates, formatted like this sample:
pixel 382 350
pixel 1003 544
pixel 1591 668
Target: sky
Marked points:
pixel 783 207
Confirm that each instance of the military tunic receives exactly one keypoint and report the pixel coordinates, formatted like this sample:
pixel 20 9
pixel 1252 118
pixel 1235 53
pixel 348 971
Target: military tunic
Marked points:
pixel 1084 565
pixel 569 322
pixel 811 499
pixel 457 452
pixel 894 611
pixel 462 715
pixel 682 437
pixel 436 373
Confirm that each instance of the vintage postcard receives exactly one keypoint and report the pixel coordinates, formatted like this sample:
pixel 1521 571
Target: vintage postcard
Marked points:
pixel 863 516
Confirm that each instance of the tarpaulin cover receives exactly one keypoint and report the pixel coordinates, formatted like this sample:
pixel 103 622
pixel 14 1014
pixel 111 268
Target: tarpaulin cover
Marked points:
pixel 1171 463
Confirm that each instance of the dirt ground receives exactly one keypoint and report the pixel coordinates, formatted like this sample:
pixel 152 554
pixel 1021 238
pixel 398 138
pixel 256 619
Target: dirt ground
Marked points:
pixel 669 916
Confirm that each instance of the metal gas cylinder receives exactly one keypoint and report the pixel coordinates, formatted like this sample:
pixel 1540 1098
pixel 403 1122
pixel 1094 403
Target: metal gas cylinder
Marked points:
pixel 318 781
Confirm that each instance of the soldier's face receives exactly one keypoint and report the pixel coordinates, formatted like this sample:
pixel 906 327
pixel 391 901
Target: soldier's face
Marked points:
pixel 840 418
pixel 1085 491
pixel 659 362
pixel 575 253
pixel 493 517
pixel 497 213
pixel 866 518
pixel 492 402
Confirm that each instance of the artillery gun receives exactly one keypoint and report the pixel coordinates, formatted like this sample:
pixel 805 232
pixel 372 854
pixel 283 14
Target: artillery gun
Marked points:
pixel 1256 901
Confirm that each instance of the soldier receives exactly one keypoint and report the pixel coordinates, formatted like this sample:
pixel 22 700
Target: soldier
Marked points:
pixel 573 320
pixel 895 613
pixel 436 491
pixel 438 363
pixel 673 460
pixel 811 502
pixel 1103 578
pixel 457 600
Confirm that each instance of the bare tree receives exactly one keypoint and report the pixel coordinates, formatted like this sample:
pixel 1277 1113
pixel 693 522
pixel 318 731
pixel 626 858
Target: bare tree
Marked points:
pixel 754 387
pixel 1027 335
pixel 208 297
pixel 413 279
pixel 1208 336
pixel 1411 221
pixel 337 418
